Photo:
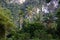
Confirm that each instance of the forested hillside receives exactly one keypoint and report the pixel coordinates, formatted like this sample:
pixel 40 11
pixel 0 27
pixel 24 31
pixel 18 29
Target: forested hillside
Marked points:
pixel 29 19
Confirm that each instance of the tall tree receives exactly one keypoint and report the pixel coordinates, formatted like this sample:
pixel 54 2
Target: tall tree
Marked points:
pixel 5 21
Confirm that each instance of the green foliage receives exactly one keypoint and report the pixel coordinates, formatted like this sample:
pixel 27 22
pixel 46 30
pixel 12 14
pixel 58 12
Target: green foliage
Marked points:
pixel 5 22
pixel 35 31
pixel 30 31
pixel 31 27
pixel 58 22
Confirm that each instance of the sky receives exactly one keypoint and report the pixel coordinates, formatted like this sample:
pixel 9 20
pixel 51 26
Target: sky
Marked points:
pixel 22 1
pixel 17 1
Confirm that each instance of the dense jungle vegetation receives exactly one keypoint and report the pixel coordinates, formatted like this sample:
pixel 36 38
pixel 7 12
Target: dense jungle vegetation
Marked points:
pixel 10 15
